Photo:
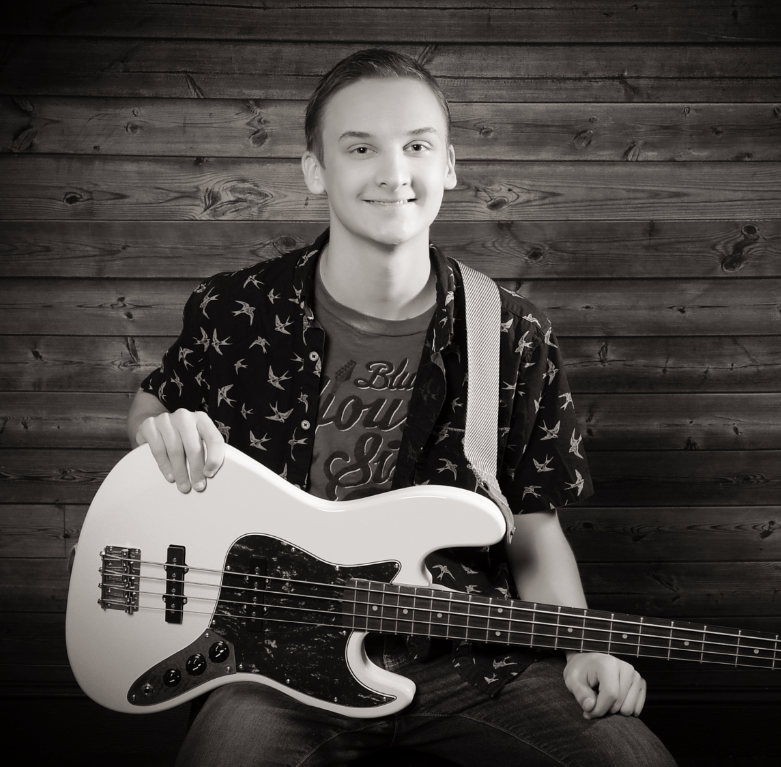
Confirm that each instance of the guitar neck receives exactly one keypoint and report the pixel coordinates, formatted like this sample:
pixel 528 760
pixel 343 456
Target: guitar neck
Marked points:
pixel 388 608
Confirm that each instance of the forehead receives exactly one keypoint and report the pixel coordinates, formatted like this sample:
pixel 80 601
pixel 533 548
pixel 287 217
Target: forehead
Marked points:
pixel 383 107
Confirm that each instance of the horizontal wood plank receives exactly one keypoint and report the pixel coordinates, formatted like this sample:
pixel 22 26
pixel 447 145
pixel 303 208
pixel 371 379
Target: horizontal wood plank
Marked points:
pixel 275 129
pixel 714 534
pixel 711 534
pixel 608 421
pixel 133 67
pixel 39 530
pixel 166 189
pixel 611 21
pixel 501 249
pixel 576 307
pixel 625 479
pixel 747 364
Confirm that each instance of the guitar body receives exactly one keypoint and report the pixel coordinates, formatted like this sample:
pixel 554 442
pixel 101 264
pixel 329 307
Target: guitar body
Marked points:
pixel 169 594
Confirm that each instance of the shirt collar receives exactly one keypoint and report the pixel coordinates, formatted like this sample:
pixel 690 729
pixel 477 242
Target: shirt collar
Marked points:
pixel 304 286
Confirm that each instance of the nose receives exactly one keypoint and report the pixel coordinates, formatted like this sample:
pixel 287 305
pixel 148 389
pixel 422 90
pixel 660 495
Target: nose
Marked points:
pixel 393 171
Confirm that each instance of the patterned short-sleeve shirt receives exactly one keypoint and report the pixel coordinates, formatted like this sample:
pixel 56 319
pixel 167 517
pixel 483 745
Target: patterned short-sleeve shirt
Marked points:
pixel 250 354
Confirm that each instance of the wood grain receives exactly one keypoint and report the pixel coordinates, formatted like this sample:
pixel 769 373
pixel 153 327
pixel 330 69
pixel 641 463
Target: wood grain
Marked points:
pixel 611 21
pixel 133 67
pixel 165 189
pixel 682 534
pixel 744 364
pixel 275 129
pixel 671 422
pixel 576 307
pixel 656 478
pixel 37 530
pixel 502 249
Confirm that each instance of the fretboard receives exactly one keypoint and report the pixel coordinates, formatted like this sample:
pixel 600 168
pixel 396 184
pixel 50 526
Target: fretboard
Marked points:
pixel 387 608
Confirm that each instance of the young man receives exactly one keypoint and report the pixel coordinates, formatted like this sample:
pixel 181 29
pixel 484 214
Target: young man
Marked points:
pixel 342 367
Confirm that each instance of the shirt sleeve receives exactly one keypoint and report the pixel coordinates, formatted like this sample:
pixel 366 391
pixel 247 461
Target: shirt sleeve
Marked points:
pixel 182 380
pixel 544 464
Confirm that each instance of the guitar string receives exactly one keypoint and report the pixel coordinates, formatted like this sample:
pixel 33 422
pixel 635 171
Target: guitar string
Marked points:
pixel 460 600
pixel 558 625
pixel 634 651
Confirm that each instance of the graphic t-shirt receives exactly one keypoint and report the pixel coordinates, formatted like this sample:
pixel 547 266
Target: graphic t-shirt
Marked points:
pixel 367 382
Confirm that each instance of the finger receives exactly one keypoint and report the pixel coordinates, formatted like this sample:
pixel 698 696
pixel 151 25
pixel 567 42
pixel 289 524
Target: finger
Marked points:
pixel 576 683
pixel 608 692
pixel 186 424
pixel 627 677
pixel 148 433
pixel 175 450
pixel 213 442
pixel 640 699
pixel 627 707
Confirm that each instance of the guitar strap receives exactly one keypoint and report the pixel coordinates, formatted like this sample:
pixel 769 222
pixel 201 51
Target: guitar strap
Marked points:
pixel 483 326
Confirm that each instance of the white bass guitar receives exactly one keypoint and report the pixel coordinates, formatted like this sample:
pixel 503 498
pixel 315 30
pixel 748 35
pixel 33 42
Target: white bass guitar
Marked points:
pixel 173 595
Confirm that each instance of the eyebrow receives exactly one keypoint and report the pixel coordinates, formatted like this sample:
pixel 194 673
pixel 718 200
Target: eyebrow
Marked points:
pixel 364 135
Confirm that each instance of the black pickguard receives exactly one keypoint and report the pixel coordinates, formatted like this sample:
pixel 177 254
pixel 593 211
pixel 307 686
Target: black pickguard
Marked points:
pixel 279 615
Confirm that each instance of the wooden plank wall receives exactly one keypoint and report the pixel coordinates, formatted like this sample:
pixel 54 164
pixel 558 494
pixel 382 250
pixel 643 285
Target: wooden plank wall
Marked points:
pixel 618 163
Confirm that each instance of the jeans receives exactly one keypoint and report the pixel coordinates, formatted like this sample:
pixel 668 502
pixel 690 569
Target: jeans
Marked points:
pixel 534 720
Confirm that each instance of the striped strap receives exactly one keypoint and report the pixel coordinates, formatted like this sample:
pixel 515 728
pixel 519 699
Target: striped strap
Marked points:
pixel 483 321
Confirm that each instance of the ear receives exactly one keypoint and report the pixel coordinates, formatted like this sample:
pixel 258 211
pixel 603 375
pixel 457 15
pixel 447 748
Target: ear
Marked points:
pixel 450 169
pixel 313 175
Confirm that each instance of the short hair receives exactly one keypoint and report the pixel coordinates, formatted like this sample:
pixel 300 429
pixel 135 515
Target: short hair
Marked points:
pixel 361 65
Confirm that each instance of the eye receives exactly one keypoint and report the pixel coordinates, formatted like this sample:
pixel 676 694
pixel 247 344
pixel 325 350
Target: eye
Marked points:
pixel 418 147
pixel 360 150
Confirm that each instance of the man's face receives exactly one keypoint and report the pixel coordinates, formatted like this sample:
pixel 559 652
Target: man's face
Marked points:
pixel 386 160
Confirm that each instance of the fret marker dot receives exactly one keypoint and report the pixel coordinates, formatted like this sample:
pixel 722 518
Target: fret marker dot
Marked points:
pixel 499 610
pixel 498 633
pixel 623 636
pixel 439 615
pixel 569 630
pixel 405 611
pixel 756 651
pixel 686 642
pixel 374 607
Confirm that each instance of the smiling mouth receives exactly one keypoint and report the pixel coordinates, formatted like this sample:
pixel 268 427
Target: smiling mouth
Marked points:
pixel 391 202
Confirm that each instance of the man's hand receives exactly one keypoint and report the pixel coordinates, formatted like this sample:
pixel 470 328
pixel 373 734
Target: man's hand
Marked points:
pixel 182 438
pixel 603 684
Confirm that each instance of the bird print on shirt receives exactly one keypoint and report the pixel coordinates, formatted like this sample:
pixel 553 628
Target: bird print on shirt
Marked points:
pixel 245 309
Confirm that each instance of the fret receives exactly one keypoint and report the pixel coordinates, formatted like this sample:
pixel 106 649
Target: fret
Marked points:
pixel 775 650
pixel 595 631
pixel 687 642
pixel 670 642
pixel 544 632
pixel 718 643
pixel 639 637
pixel 532 643
pixel 373 608
pixel 421 613
pixel 360 606
pixel 391 609
pixel 405 611
pixel 656 633
pixel 499 625
pixel 756 650
pixel 570 631
pixel 704 634
pixel 558 617
pixel 440 615
pixel 624 633
pixel 458 627
pixel 349 607
pixel 479 617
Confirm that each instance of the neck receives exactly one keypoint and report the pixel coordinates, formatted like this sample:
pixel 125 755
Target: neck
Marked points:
pixel 394 283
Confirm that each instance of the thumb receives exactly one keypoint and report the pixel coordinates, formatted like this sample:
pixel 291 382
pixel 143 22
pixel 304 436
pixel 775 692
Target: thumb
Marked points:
pixel 584 695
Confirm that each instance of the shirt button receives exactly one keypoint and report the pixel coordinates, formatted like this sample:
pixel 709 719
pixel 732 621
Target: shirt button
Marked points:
pixel 314 356
pixel 305 425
